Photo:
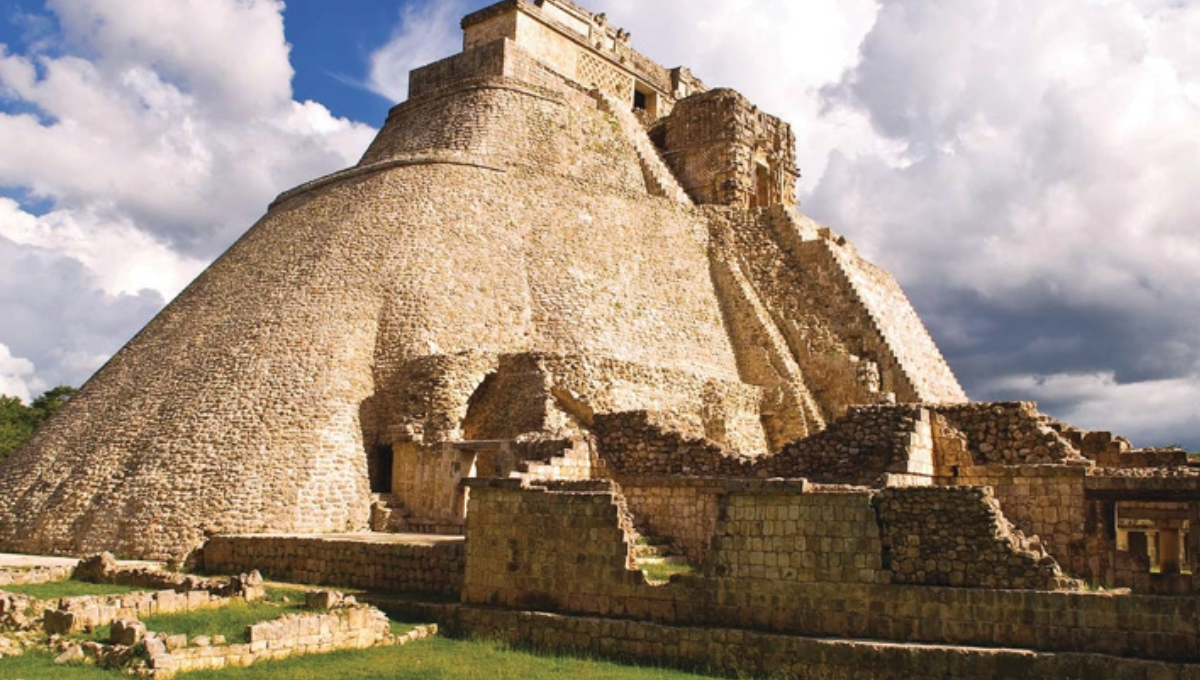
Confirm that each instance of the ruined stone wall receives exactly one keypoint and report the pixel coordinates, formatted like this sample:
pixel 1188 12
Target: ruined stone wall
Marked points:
pixel 957 536
pixel 862 448
pixel 859 448
pixel 523 550
pixel 1043 501
pixel 33 575
pixel 291 635
pixel 430 567
pixel 1006 433
pixel 577 554
pixel 77 614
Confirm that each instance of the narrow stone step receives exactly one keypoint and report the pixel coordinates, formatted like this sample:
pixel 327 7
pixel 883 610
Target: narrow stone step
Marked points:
pixel 660 178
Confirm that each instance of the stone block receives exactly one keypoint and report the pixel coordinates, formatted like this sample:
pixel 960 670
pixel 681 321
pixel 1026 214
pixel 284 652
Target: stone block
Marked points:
pixel 59 622
pixel 126 632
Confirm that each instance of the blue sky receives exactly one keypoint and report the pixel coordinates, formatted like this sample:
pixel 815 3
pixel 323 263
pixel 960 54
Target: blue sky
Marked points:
pixel 1025 167
pixel 332 44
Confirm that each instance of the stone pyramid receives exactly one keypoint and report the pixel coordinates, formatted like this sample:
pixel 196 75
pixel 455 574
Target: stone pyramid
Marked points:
pixel 551 228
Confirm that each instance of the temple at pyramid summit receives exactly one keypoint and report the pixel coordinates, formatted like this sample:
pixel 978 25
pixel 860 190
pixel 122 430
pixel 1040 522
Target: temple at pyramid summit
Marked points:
pixel 564 309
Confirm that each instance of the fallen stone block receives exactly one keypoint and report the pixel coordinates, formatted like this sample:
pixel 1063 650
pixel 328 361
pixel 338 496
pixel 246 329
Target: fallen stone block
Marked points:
pixel 97 568
pixel 126 632
pixel 73 656
pixel 58 622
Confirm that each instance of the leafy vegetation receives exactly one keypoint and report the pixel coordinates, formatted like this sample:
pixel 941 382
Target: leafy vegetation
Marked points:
pixel 57 589
pixel 18 421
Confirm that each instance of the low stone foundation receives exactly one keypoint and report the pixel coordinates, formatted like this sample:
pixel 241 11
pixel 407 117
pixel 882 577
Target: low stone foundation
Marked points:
pixel 740 653
pixel 75 614
pixel 33 575
pixel 424 564
pixel 294 635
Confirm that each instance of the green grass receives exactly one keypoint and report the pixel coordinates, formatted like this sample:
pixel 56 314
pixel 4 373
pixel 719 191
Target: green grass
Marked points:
pixel 435 659
pixel 40 666
pixel 662 572
pixel 57 589
pixel 441 659
pixel 230 620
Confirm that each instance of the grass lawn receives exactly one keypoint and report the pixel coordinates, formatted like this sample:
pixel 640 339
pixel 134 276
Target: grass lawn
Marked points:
pixel 436 659
pixel 40 666
pixel 441 659
pixel 230 620
pixel 57 589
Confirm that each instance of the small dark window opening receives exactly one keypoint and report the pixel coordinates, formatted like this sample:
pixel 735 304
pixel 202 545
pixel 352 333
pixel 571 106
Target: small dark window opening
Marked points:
pixel 379 468
pixel 640 102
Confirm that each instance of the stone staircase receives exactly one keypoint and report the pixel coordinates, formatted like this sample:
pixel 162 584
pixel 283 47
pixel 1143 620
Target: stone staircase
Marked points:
pixel 388 514
pixel 659 178
pixel 889 313
pixel 575 464
pixel 902 331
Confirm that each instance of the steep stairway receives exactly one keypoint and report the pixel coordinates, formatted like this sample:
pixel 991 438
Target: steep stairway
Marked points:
pixel 575 464
pixel 659 178
pixel 388 514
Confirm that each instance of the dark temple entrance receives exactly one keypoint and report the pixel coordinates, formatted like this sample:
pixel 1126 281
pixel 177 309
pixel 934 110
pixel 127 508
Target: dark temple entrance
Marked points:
pixel 379 468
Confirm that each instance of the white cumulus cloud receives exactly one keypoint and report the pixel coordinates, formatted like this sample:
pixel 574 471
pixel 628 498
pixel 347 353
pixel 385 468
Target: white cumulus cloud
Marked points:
pixel 424 33
pixel 16 374
pixel 146 135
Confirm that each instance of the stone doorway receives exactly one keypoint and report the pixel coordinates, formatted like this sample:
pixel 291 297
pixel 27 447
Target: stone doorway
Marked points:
pixel 762 192
pixel 380 468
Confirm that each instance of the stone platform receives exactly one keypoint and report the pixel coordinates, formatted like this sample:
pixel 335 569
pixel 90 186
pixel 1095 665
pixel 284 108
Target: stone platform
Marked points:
pixel 421 563
pixel 14 561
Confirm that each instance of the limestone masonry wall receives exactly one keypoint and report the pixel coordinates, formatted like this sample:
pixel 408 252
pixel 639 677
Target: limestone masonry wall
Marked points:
pixel 682 509
pixel 435 567
pixel 857 449
pixel 565 551
pixel 291 635
pixel 1044 501
pixel 76 614
pixel 736 652
pixel 1007 433
pixel 957 536
pixel 20 577
pixel 803 536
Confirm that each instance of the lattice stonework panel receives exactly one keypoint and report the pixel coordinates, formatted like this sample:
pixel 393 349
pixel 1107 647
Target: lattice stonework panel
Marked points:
pixel 594 72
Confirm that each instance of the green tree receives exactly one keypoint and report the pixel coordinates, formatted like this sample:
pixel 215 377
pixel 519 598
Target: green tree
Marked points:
pixel 16 425
pixel 49 403
pixel 18 421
